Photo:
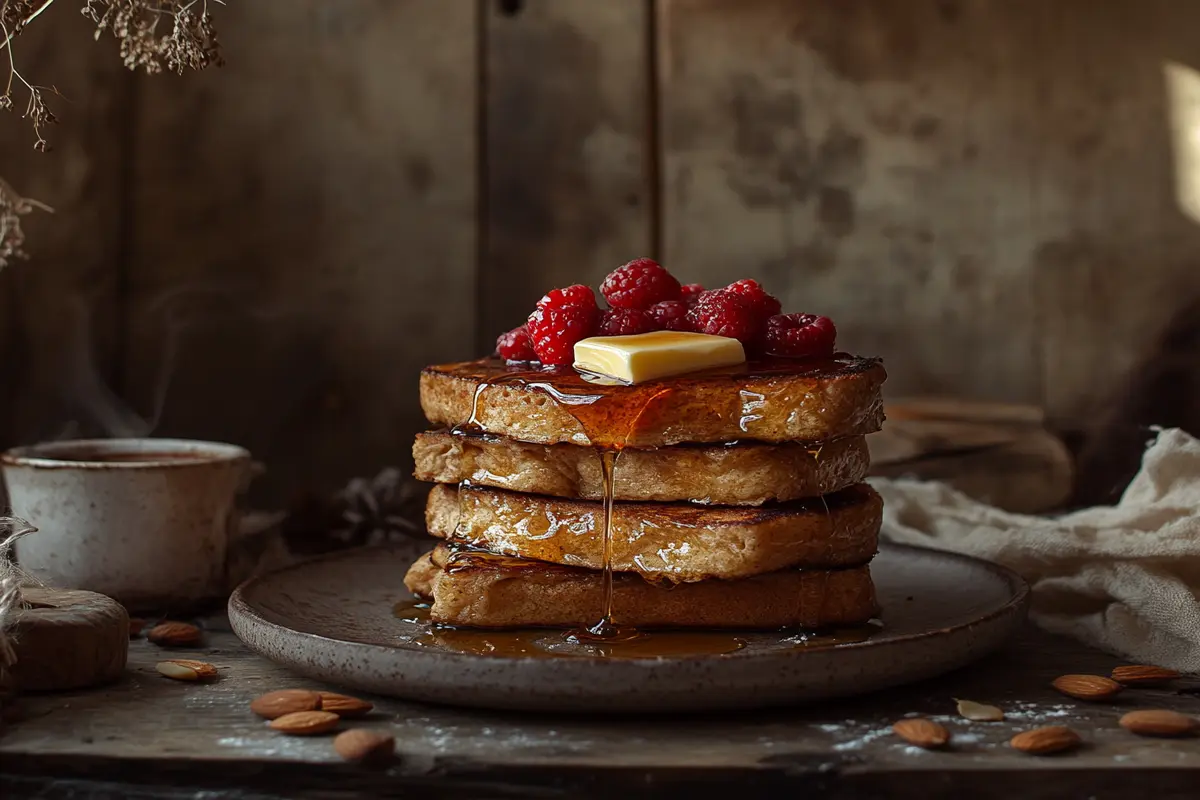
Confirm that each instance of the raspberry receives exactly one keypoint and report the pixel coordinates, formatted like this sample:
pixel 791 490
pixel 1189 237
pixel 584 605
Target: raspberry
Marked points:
pixel 691 293
pixel 625 322
pixel 555 330
pixel 670 315
pixel 577 295
pixel 765 305
pixel 516 345
pixel 639 284
pixel 800 336
pixel 729 314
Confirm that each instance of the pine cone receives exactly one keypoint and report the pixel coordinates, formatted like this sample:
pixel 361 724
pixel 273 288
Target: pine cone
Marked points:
pixel 386 508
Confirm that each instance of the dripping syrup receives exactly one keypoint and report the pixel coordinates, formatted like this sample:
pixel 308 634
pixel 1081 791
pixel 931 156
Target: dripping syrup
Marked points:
pixel 602 407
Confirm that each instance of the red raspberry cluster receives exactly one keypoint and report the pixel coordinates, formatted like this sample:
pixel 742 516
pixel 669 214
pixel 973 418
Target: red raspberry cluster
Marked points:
pixel 643 297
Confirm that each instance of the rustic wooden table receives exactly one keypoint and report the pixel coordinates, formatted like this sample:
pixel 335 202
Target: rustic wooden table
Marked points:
pixel 152 737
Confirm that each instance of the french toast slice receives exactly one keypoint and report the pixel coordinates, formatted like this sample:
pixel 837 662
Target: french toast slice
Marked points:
pixel 672 542
pixel 780 400
pixel 747 473
pixel 482 590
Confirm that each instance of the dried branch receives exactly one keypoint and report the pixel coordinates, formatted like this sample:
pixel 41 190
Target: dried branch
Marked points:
pixel 12 207
pixel 191 43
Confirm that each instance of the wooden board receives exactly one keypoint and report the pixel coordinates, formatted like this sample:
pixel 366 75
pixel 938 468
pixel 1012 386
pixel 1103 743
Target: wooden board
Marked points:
pixel 60 334
pixel 979 191
pixel 303 232
pixel 567 168
pixel 167 736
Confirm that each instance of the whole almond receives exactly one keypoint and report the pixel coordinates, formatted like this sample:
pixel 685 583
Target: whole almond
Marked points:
pixel 1087 687
pixel 179 669
pixel 274 705
pixel 922 732
pixel 306 723
pixel 979 712
pixel 365 746
pixel 135 626
pixel 1159 722
pixel 344 705
pixel 174 634
pixel 1044 741
pixel 1143 675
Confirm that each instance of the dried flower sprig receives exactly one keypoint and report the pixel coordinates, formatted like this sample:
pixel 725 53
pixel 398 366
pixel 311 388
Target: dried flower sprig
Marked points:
pixel 12 207
pixel 191 43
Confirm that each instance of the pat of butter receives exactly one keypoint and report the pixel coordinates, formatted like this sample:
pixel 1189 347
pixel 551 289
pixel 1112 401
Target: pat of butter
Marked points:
pixel 649 356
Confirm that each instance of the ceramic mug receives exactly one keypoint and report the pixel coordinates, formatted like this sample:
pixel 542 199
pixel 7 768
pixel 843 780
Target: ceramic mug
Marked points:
pixel 147 522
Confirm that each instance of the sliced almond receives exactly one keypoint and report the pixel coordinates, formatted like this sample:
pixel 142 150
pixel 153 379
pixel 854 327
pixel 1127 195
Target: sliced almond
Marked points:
pixel 274 705
pixel 922 732
pixel 306 723
pixel 176 672
pixel 344 705
pixel 203 669
pixel 1143 675
pixel 1044 741
pixel 185 669
pixel 175 634
pixel 1087 687
pixel 1159 722
pixel 979 712
pixel 365 746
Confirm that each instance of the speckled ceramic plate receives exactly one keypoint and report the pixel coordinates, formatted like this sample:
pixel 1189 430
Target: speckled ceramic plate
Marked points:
pixel 332 619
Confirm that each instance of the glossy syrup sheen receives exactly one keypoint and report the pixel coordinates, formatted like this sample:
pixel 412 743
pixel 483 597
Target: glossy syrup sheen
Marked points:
pixel 609 414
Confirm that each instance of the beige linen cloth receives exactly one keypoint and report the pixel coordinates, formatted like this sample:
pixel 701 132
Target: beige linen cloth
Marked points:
pixel 1123 578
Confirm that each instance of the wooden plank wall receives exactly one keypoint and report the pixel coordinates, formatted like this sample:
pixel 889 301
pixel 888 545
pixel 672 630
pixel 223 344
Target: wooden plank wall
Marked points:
pixel 304 231
pixel 61 328
pixel 981 191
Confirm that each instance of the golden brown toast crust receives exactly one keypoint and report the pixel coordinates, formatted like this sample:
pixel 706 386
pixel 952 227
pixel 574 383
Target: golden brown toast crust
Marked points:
pixel 775 401
pixel 747 473
pixel 490 592
pixel 677 542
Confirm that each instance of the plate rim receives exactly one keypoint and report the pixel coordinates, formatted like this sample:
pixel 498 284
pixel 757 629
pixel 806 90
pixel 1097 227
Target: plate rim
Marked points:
pixel 239 607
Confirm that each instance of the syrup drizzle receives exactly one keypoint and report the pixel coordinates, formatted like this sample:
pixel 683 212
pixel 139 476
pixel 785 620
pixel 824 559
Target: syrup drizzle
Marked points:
pixel 605 628
pixel 602 407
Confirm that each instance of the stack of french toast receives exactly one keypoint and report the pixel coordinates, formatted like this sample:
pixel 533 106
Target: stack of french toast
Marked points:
pixel 736 480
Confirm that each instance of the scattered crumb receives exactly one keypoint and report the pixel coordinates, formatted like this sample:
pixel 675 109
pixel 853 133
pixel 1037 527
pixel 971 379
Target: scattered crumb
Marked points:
pixel 863 740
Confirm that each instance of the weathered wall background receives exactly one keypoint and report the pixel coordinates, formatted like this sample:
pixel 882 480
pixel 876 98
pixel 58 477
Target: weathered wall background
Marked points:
pixel 981 191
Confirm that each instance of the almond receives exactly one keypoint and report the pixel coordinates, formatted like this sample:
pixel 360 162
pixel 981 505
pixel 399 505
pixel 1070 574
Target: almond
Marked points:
pixel 978 712
pixel 922 732
pixel 135 626
pixel 185 669
pixel 174 634
pixel 1043 741
pixel 1143 675
pixel 1158 722
pixel 365 746
pixel 306 723
pixel 1087 687
pixel 344 705
pixel 274 705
